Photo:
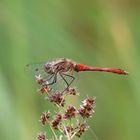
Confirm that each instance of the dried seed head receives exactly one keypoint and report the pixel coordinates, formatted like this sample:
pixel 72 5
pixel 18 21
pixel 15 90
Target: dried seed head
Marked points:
pixel 86 109
pixel 44 89
pixel 81 128
pixel 69 129
pixel 70 112
pixel 88 101
pixel 41 136
pixel 56 121
pixel 44 117
pixel 84 112
pixel 39 79
pixel 72 91
pixel 57 98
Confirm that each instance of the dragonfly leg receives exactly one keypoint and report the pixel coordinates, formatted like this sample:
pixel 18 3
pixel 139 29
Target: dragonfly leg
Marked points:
pixel 49 78
pixel 72 78
pixel 68 84
pixel 54 76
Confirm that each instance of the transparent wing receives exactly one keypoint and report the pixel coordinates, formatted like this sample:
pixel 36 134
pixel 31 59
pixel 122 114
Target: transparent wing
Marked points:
pixel 36 69
pixel 60 83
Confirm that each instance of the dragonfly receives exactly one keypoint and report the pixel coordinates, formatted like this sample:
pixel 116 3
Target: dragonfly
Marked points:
pixel 50 73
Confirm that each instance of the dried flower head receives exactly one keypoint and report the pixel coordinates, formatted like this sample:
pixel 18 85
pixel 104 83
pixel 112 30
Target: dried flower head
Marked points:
pixel 56 121
pixel 86 109
pixel 70 112
pixel 44 89
pixel 69 129
pixel 57 98
pixel 81 128
pixel 39 79
pixel 88 101
pixel 41 136
pixel 44 117
pixel 71 91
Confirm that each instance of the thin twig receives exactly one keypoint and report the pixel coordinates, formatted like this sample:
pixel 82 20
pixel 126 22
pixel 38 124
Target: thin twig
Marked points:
pixel 53 131
pixel 68 136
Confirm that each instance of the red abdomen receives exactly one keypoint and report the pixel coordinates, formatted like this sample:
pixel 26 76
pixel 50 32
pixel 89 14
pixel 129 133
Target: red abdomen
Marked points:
pixel 82 67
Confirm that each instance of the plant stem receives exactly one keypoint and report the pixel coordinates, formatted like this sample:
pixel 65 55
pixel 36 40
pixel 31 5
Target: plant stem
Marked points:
pixel 53 131
pixel 68 136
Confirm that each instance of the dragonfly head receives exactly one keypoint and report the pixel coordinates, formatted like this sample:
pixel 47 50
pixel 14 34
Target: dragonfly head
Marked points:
pixel 48 68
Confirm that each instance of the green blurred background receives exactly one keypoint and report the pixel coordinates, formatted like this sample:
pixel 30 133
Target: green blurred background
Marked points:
pixel 96 32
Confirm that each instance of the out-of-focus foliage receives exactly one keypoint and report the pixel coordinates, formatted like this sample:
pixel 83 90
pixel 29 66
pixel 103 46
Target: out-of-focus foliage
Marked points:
pixel 100 32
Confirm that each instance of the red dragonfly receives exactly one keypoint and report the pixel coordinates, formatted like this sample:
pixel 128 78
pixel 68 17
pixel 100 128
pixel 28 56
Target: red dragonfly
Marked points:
pixel 49 72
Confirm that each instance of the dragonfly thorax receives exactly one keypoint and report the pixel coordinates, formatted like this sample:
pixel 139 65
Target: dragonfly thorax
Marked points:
pixel 60 65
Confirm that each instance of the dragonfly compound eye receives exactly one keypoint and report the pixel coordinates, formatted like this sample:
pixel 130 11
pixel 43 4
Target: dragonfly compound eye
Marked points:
pixel 47 67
